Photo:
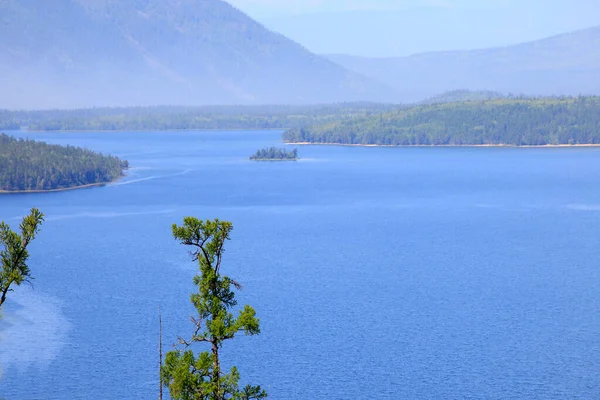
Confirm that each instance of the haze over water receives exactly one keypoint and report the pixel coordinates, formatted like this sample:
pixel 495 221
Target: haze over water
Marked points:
pixel 393 273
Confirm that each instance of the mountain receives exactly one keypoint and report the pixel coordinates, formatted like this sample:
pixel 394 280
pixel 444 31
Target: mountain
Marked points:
pixel 403 28
pixel 566 64
pixel 82 53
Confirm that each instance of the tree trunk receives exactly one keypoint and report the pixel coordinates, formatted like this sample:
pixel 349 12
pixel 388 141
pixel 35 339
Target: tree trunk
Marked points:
pixel 4 292
pixel 160 356
pixel 216 369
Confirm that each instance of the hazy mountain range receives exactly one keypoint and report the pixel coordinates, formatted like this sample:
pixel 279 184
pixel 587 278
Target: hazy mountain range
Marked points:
pixel 394 28
pixel 81 53
pixel 566 64
pixel 84 53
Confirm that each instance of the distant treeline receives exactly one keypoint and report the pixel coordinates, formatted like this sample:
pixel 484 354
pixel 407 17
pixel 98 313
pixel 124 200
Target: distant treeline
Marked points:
pixel 454 96
pixel 171 118
pixel 27 165
pixel 275 154
pixel 508 121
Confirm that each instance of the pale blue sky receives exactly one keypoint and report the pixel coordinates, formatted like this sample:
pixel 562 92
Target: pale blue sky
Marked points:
pixel 388 28
pixel 270 8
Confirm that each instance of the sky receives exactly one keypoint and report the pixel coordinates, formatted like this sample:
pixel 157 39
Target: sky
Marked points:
pixel 395 28
pixel 275 8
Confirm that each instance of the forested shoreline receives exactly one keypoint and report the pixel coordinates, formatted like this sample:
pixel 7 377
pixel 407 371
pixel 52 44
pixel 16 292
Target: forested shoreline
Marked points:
pixel 186 118
pixel 210 117
pixel 488 120
pixel 31 166
pixel 513 122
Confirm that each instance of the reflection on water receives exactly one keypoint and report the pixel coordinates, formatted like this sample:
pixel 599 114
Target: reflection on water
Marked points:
pixel 32 330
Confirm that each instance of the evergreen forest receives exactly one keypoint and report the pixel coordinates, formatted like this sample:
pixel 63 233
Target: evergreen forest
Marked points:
pixel 28 165
pixel 507 121
pixel 275 154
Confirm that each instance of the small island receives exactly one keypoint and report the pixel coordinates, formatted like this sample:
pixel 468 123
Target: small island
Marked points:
pixel 275 154
pixel 29 166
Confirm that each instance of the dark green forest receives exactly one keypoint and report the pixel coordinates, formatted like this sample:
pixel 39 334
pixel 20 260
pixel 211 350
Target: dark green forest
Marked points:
pixel 518 122
pixel 27 165
pixel 275 154
pixel 172 118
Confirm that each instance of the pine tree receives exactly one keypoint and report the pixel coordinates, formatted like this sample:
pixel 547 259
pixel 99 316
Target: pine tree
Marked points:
pixel 201 377
pixel 13 252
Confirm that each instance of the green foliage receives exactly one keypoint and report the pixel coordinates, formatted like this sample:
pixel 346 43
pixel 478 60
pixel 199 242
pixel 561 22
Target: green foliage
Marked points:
pixel 14 254
pixel 518 122
pixel 275 154
pixel 168 118
pixel 191 377
pixel 30 165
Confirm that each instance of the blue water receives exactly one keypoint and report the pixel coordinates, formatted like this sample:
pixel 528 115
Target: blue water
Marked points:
pixel 396 273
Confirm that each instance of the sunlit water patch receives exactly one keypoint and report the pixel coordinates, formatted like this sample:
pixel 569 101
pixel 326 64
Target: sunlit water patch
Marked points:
pixel 33 330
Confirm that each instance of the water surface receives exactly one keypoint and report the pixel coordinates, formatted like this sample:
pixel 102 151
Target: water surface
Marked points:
pixel 413 273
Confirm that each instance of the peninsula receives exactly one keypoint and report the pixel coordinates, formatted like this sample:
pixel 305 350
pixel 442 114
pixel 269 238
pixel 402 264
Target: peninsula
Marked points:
pixel 28 166
pixel 538 122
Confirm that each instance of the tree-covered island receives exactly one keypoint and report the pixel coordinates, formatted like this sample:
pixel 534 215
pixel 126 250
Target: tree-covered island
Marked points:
pixel 275 154
pixel 31 166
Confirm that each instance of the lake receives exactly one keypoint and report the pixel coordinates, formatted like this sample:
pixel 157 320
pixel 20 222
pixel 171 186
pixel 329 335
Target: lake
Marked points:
pixel 417 273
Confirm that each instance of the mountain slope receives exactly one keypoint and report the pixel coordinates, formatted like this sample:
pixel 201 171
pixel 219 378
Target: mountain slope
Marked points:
pixel 561 65
pixel 81 53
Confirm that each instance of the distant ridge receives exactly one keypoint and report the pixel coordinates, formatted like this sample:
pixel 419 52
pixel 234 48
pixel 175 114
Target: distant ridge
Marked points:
pixel 566 64
pixel 406 27
pixel 84 53
pixel 463 95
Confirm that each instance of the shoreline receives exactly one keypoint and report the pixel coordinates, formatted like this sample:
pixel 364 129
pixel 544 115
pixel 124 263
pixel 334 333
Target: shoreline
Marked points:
pixel 89 185
pixel 145 130
pixel 278 159
pixel 541 146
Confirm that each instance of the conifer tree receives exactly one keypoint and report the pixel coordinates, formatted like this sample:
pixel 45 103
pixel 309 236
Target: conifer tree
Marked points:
pixel 13 252
pixel 201 377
